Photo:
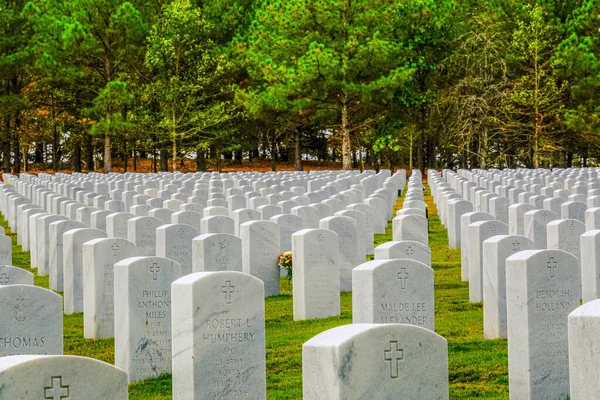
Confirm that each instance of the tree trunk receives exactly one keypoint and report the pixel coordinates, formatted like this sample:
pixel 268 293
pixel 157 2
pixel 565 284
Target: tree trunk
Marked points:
pixel 346 144
pixel 238 156
pixel 6 145
pixel 419 149
pixel 200 160
pixel 77 158
pixel 154 160
pixel 273 155
pixel 25 159
pixel 174 154
pixel 17 145
pixel 354 160
pixel 431 159
pixel 89 153
pixel 125 156
pixel 55 164
pixel 107 155
pixel 410 152
pixel 39 152
pixel 164 160
pixel 298 149
pixel 361 162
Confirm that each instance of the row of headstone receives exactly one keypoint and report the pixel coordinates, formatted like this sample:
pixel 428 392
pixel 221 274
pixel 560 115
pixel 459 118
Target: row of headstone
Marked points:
pixel 532 278
pixel 392 310
pixel 54 195
pixel 115 271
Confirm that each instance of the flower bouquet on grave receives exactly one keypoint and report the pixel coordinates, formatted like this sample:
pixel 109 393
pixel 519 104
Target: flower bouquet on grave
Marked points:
pixel 285 262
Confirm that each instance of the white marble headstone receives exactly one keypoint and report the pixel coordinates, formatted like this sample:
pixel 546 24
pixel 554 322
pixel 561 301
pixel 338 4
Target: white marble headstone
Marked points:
pixel 375 361
pixel 32 321
pixel 218 321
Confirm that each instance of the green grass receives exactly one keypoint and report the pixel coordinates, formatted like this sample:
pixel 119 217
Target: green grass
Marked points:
pixel 478 368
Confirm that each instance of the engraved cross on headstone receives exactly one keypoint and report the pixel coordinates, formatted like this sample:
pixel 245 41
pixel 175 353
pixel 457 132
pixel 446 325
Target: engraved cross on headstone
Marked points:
pixel 56 391
pixel 115 248
pixel 410 251
pixel 227 290
pixel 403 276
pixel 516 246
pixel 155 269
pixel 393 355
pixel 4 279
pixel 551 266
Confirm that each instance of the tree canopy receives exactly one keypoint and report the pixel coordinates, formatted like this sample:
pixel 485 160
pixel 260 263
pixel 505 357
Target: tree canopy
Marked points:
pixel 417 83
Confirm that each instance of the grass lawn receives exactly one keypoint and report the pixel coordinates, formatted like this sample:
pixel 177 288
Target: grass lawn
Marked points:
pixel 478 368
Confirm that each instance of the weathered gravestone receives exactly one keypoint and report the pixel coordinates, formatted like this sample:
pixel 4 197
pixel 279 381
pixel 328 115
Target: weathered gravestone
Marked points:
pixel 375 361
pixel 32 321
pixel 396 291
pixel 495 252
pixel 218 321
pixel 174 241
pixel 260 253
pixel 73 241
pixel 99 259
pixel 57 377
pixel 316 278
pixel 216 252
pixel 542 288
pixel 143 315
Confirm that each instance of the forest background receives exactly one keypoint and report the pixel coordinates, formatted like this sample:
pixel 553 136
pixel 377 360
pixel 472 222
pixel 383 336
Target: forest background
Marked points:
pixel 91 84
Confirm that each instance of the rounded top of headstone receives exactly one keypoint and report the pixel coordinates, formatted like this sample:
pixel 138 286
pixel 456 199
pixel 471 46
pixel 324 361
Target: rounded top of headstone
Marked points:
pixel 59 376
pixel 528 255
pixel 397 262
pixel 590 309
pixel 341 334
pixel 208 278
